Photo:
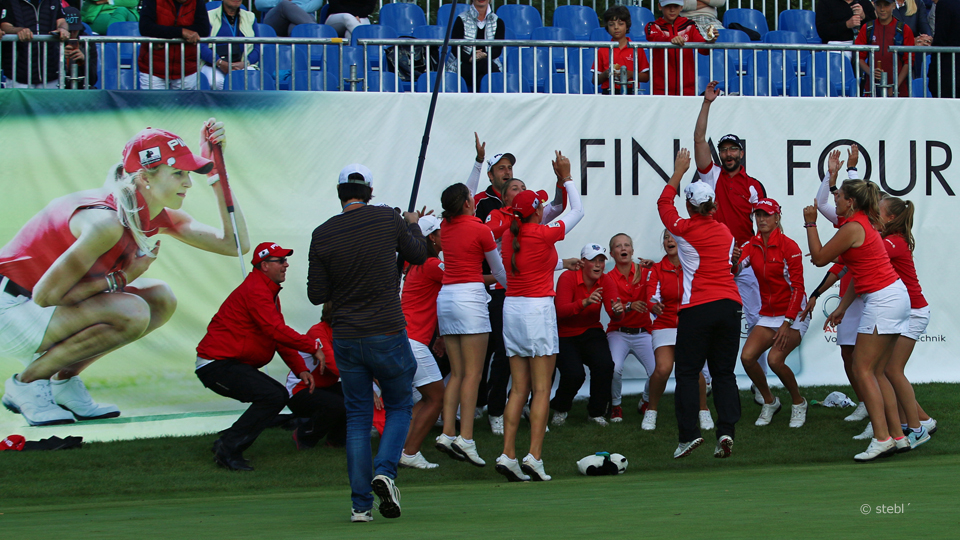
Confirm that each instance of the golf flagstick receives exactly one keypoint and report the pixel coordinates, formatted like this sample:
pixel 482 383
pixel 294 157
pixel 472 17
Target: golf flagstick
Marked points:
pixel 228 199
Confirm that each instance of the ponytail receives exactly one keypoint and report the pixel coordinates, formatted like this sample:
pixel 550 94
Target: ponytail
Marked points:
pixel 902 222
pixel 124 187
pixel 452 200
pixel 515 231
pixel 866 198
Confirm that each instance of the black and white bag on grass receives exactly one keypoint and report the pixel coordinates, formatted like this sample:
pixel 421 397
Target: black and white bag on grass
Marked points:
pixel 602 464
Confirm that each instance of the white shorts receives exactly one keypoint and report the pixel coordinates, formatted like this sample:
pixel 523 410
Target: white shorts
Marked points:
pixel 919 319
pixel 749 289
pixel 847 329
pixel 775 322
pixel 427 369
pixel 530 326
pixel 22 325
pixel 664 337
pixel 887 311
pixel 462 309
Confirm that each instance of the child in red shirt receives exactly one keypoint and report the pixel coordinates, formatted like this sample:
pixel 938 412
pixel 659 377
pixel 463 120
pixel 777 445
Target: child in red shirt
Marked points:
pixel 617 21
pixel 883 32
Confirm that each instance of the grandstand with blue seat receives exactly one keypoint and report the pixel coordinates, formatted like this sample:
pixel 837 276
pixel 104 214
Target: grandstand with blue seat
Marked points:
pixel 443 13
pixel 920 88
pixel 555 33
pixel 639 18
pixel 724 63
pixel 373 31
pixel 520 18
pixel 450 82
pixel 432 32
pixel 316 81
pixel 249 80
pixel 402 17
pixel 832 75
pixel 510 83
pixel 783 63
pixel 127 52
pixel 751 19
pixel 802 21
pixel 324 13
pixel 277 60
pixel 599 34
pixel 580 20
pixel 315 53
pixel 375 78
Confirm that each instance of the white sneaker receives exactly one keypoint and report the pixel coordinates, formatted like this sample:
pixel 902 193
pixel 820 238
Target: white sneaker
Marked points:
pixel 598 420
pixel 649 421
pixel 877 449
pixel 534 468
pixel 511 469
pixel 357 516
pixel 724 447
pixel 35 402
pixel 389 494
pixel 767 412
pixel 867 433
pixel 684 449
pixel 757 396
pixel 559 418
pixel 496 425
pixel 72 395
pixel 706 421
pixel 468 451
pixel 860 413
pixel 416 461
pixel 478 413
pixel 445 445
pixel 902 444
pixel 930 425
pixel 798 414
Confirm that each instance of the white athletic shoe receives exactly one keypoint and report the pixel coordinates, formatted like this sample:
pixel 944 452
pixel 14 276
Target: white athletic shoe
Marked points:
pixel 72 395
pixel 724 447
pixel 468 451
pixel 798 414
pixel 478 413
pixel 767 412
pixel 867 433
pixel 706 421
pixel 903 445
pixel 35 402
pixel 511 469
pixel 684 449
pixel 757 396
pixel 416 461
pixel 357 516
pixel 916 439
pixel 930 425
pixel 860 413
pixel 598 420
pixel 649 421
pixel 559 418
pixel 534 468
pixel 389 494
pixel 445 445
pixel 496 425
pixel 877 449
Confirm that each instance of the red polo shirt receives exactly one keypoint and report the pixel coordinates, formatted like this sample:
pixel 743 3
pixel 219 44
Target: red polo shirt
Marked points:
pixel 665 286
pixel 536 259
pixel 465 240
pixel 419 299
pixel 616 285
pixel 331 374
pixel 736 196
pixel 902 260
pixel 572 318
pixel 621 56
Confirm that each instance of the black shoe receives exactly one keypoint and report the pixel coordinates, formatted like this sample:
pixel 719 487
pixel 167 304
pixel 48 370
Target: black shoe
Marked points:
pixel 230 460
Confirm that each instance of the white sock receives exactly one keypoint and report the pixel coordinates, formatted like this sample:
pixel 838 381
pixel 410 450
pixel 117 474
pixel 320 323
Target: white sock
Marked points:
pixel 468 441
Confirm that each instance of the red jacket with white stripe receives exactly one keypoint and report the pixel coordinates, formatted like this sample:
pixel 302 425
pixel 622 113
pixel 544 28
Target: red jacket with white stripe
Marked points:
pixel 665 286
pixel 705 247
pixel 779 270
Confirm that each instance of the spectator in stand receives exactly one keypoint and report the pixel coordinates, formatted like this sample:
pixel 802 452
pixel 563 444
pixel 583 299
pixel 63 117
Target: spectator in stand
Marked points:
pixel 617 22
pixel 322 408
pixel 76 54
pixel 673 69
pixel 172 19
pixel 885 31
pixel 23 19
pixel 345 15
pixel 914 14
pixel 582 340
pixel 838 21
pixel 243 336
pixel 481 23
pixel 283 15
pixel 704 13
pixel 946 34
pixel 100 14
pixel 229 20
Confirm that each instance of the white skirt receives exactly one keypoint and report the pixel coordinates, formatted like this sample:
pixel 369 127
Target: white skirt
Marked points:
pixel 775 322
pixel 847 329
pixel 427 369
pixel 462 309
pixel 664 337
pixel 887 311
pixel 22 325
pixel 919 319
pixel 530 326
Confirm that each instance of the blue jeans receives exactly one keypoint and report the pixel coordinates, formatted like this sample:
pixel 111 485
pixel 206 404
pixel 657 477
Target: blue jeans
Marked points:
pixel 389 360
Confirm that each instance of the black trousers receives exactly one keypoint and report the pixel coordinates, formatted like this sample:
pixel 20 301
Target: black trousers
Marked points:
pixel 588 349
pixel 709 332
pixel 326 412
pixel 493 390
pixel 248 384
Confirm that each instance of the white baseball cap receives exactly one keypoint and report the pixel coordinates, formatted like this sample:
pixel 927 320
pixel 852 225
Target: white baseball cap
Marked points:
pixel 497 157
pixel 671 3
pixel 429 224
pixel 698 193
pixel 356 168
pixel 591 251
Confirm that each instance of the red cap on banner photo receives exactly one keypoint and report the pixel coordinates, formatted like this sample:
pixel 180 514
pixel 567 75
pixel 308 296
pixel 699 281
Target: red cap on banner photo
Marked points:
pixel 13 442
pixel 152 146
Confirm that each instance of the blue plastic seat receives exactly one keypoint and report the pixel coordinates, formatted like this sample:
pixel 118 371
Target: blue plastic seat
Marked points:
pixel 374 79
pixel 783 64
pixel 314 52
pixel 842 80
pixel 555 33
pixel 125 79
pixel 599 34
pixel 580 20
pixel 520 18
pixel 451 82
pixel 128 51
pixel 920 88
pixel 722 72
pixel 278 68
pixel 372 31
pixel 510 83
pixel 802 21
pixel 430 31
pixel 748 18
pixel 252 80
pixel 443 13
pixel 324 13
pixel 402 17
pixel 316 81
pixel 531 64
pixel 639 18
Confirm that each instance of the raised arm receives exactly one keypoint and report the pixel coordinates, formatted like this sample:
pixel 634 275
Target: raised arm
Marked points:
pixel 473 181
pixel 561 165
pixel 701 150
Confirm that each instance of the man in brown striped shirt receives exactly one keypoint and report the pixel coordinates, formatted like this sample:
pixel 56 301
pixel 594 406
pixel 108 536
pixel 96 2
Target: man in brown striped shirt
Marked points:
pixel 353 265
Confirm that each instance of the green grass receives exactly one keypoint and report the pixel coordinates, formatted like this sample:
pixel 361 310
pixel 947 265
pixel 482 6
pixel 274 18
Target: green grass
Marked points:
pixel 779 482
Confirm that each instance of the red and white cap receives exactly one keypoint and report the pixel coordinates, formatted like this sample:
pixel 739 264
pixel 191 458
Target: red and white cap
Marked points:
pixel 769 206
pixel 526 202
pixel 152 147
pixel 269 249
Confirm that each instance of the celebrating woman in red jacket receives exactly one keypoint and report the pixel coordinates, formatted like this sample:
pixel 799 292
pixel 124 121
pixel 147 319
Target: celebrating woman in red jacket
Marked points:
pixel 776 261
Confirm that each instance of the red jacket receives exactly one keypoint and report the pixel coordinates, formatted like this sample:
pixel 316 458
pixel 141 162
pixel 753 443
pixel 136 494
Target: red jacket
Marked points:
pixel 249 328
pixel 665 286
pixel 331 375
pixel 616 285
pixel 572 318
pixel 705 246
pixel 662 31
pixel 779 271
